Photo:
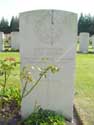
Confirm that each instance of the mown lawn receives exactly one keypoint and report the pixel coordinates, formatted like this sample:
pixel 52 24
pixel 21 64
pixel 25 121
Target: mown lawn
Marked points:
pixel 84 87
pixel 84 84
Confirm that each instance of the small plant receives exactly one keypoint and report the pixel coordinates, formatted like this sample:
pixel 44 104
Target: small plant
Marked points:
pixel 6 66
pixel 44 117
pixel 26 77
pixel 9 96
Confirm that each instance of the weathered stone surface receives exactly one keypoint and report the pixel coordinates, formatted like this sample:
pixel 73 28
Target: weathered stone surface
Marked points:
pixel 49 34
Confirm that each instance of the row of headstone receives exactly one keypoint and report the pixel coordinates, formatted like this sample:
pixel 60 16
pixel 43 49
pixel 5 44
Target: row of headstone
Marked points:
pixel 49 34
pixel 12 39
pixel 1 42
pixel 84 39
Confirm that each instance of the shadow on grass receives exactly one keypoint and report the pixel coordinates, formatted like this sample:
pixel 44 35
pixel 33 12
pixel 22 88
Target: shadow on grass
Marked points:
pixel 78 52
pixel 76 117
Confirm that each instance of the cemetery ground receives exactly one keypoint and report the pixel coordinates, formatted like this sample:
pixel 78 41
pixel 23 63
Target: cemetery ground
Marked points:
pixel 84 84
pixel 84 87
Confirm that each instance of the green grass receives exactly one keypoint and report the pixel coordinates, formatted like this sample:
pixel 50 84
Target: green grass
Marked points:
pixel 84 87
pixel 10 54
pixel 14 79
pixel 84 84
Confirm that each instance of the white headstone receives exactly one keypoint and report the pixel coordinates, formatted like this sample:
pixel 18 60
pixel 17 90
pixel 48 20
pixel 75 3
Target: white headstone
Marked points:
pixel 15 40
pixel 1 41
pixel 77 45
pixel 84 42
pixel 50 34
pixel 92 39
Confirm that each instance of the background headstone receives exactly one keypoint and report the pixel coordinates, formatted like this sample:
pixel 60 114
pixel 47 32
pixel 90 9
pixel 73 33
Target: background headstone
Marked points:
pixel 1 41
pixel 6 41
pixel 77 45
pixel 49 34
pixel 84 42
pixel 92 39
pixel 15 40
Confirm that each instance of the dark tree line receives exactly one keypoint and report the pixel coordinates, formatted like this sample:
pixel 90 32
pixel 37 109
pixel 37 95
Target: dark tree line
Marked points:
pixel 86 24
pixel 8 27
